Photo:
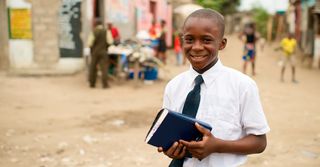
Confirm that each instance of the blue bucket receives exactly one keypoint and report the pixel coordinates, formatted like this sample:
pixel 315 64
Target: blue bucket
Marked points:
pixel 151 73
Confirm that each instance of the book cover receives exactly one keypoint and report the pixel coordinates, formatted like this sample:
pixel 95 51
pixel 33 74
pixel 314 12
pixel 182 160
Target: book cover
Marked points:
pixel 170 126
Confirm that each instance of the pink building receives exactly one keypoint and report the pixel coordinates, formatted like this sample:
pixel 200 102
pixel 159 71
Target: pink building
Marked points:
pixel 132 16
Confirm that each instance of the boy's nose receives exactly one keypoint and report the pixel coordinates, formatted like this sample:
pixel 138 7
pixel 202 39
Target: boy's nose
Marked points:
pixel 197 45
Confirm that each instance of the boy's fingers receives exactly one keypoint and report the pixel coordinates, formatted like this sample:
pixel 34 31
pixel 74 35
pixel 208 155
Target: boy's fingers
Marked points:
pixel 160 149
pixel 185 143
pixel 203 130
pixel 191 144
pixel 171 150
pixel 178 150
pixel 183 152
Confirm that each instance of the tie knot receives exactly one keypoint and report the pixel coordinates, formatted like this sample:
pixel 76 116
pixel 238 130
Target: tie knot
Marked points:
pixel 198 80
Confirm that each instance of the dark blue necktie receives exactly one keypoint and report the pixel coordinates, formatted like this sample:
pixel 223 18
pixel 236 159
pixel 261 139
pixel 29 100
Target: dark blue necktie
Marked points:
pixel 190 108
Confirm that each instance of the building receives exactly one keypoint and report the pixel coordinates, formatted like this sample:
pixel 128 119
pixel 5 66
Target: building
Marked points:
pixel 316 17
pixel 307 29
pixel 48 37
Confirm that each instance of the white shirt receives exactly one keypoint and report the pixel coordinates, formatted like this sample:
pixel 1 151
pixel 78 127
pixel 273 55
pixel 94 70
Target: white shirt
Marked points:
pixel 229 102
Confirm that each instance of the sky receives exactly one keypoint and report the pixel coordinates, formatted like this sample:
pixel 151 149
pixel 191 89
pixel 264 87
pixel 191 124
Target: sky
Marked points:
pixel 270 5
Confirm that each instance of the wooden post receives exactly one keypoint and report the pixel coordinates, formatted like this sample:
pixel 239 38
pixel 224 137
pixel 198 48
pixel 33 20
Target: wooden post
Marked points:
pixel 136 71
pixel 280 26
pixel 269 28
pixel 4 39
pixel 119 66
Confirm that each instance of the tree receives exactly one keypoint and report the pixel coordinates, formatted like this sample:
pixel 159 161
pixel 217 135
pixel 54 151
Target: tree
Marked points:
pixel 260 17
pixel 222 6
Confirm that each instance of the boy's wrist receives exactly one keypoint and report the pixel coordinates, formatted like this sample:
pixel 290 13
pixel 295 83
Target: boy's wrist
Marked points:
pixel 217 146
pixel 222 146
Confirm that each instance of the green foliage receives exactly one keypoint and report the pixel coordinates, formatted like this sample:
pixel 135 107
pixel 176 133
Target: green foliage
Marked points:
pixel 222 6
pixel 260 17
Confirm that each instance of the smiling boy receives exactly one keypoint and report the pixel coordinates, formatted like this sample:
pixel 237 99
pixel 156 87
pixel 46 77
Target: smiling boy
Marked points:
pixel 229 100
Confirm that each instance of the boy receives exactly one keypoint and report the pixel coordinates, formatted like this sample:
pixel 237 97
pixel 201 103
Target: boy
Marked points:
pixel 229 100
pixel 250 39
pixel 288 46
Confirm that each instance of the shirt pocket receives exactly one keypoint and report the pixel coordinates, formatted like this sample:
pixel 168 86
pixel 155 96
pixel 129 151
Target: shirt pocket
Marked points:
pixel 224 116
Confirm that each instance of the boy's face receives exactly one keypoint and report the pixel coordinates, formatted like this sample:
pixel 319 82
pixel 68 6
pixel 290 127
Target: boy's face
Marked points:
pixel 202 40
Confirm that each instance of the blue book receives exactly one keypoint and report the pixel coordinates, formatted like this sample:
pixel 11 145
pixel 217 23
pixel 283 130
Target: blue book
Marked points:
pixel 169 127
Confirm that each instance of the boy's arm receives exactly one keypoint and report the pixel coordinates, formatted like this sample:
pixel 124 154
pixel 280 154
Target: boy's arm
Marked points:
pixel 209 144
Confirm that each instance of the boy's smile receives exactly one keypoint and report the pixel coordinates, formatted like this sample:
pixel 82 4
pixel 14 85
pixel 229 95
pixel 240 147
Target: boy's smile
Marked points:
pixel 197 58
pixel 202 39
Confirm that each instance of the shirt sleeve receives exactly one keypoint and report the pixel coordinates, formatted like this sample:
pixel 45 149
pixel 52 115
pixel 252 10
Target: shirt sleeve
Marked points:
pixel 253 119
pixel 109 37
pixel 90 39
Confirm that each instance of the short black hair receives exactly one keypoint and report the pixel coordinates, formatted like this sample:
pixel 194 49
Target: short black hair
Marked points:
pixel 209 14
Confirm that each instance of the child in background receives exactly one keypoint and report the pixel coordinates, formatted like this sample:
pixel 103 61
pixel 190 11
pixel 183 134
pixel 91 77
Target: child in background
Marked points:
pixel 154 33
pixel 288 46
pixel 250 39
pixel 162 47
pixel 177 48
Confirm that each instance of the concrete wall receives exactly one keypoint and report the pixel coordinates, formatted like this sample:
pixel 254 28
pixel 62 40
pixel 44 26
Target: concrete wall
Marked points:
pixel 40 54
pixel 123 15
pixel 45 32
pixel 4 55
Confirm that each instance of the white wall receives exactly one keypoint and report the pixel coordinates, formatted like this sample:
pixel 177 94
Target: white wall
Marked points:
pixel 20 50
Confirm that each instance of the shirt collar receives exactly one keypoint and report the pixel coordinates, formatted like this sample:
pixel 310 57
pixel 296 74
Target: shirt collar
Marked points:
pixel 209 76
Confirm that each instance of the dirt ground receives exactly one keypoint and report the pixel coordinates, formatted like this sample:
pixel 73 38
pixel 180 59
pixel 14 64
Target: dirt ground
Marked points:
pixel 61 122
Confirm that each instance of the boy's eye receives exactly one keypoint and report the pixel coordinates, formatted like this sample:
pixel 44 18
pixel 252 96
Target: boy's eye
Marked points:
pixel 188 40
pixel 207 41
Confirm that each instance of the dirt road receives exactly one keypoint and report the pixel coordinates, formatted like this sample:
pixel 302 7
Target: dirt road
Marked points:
pixel 61 122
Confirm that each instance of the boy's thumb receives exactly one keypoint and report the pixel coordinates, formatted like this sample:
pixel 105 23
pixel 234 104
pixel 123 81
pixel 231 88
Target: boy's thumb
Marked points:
pixel 202 129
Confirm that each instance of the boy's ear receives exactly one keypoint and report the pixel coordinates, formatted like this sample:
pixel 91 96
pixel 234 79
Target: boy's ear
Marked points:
pixel 223 43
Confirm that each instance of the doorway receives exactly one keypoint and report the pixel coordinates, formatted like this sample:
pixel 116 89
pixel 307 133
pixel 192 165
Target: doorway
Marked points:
pixel 153 10
pixel 98 11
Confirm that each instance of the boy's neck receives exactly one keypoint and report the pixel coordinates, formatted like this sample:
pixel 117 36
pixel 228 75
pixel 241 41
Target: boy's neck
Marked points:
pixel 201 71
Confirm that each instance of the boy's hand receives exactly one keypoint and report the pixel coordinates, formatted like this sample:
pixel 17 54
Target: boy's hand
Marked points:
pixel 176 151
pixel 203 148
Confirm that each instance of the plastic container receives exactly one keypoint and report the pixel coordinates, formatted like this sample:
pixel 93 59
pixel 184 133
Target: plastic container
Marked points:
pixel 151 73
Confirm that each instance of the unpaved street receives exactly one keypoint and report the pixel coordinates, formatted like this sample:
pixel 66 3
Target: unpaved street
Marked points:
pixel 61 122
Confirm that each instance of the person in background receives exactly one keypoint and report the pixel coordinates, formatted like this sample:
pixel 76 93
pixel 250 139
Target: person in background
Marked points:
pixel 162 48
pixel 288 46
pixel 225 98
pixel 154 34
pixel 99 42
pixel 115 33
pixel 177 48
pixel 154 31
pixel 250 37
